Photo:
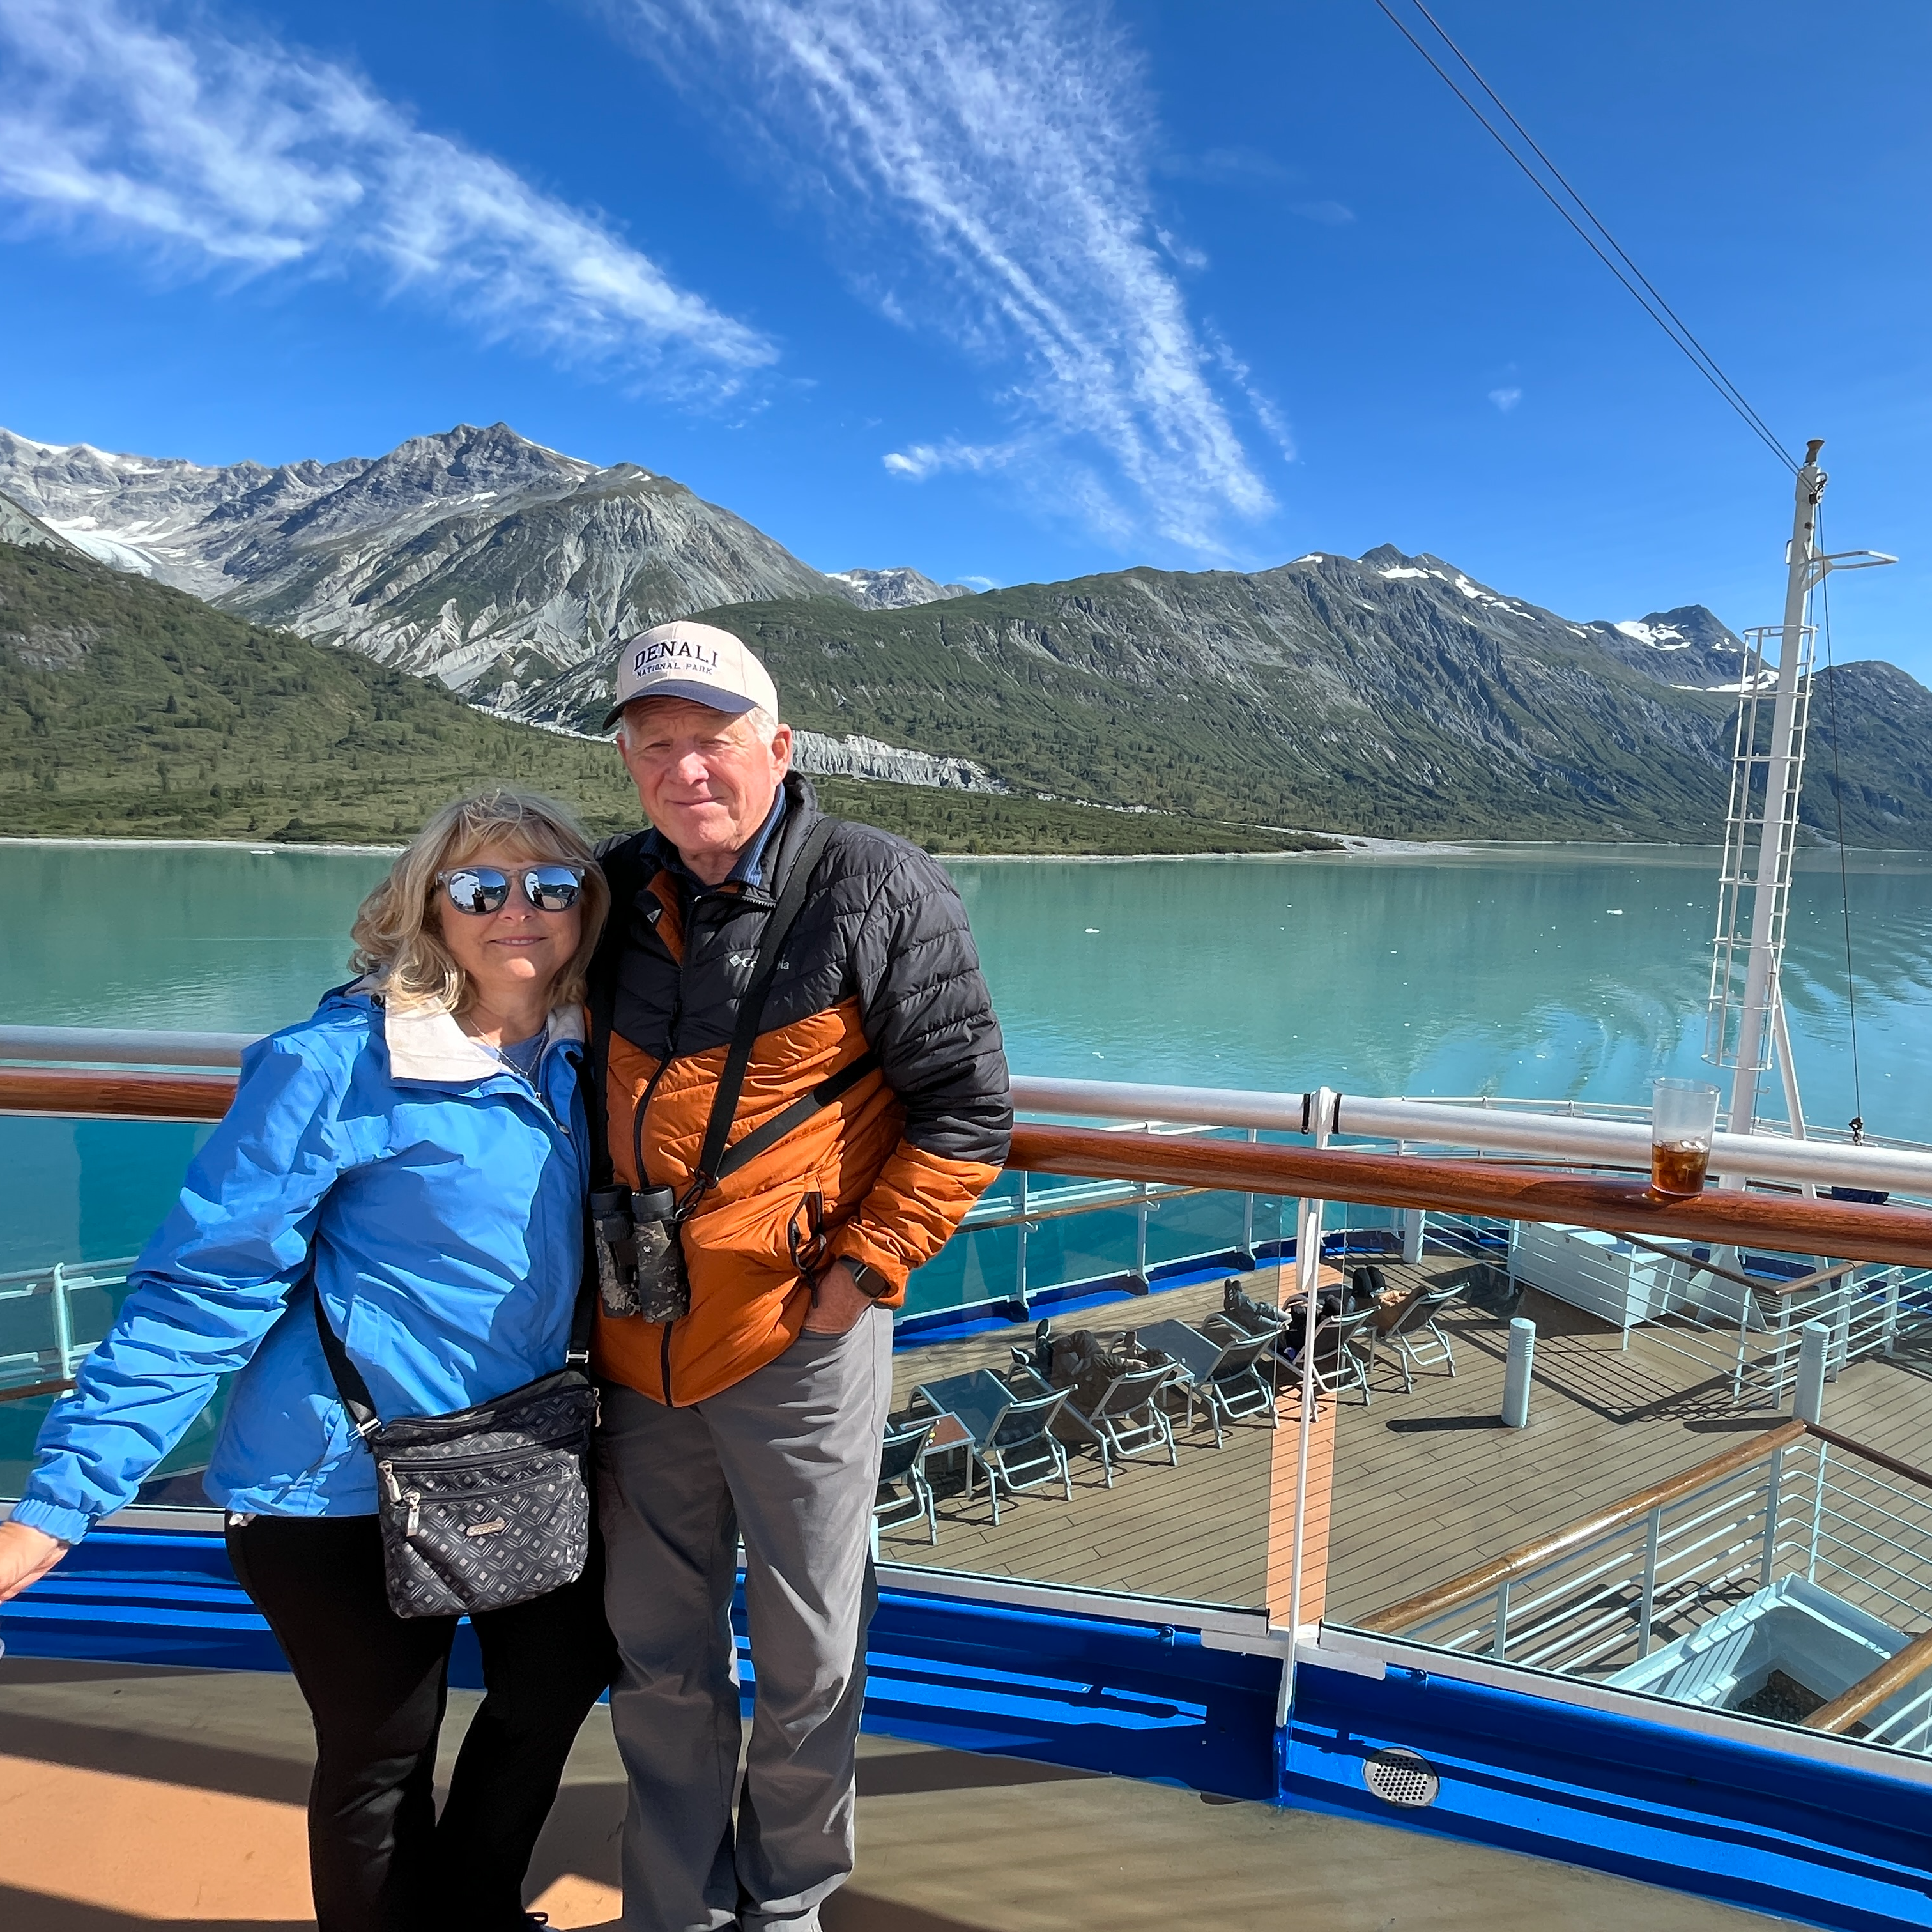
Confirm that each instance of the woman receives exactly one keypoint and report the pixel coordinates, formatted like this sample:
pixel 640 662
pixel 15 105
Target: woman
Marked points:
pixel 417 1151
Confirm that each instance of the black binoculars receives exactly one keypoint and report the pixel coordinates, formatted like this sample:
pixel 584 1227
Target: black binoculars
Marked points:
pixel 640 1267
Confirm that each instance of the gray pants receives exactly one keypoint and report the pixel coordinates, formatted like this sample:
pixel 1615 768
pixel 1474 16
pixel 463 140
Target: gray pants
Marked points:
pixel 788 1458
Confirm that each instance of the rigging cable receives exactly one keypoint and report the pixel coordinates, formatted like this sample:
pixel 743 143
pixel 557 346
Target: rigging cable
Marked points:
pixel 1635 282
pixel 1857 1119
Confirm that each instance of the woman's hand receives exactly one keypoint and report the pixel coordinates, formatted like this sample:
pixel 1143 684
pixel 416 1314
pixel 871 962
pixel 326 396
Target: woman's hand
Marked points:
pixel 26 1555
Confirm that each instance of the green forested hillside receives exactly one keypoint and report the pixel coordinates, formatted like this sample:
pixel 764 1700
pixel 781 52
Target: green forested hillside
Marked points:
pixel 127 708
pixel 1388 696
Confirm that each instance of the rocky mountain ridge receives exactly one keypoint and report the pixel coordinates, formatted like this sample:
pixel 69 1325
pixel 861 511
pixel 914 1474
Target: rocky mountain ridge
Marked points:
pixel 475 556
pixel 894 590
pixel 1389 695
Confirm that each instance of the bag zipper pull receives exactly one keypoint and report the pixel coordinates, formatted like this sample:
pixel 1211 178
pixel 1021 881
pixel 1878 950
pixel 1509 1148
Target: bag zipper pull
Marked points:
pixel 416 1500
pixel 388 1470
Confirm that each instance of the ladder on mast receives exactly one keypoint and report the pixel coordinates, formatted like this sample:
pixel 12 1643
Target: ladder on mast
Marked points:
pixel 1744 1027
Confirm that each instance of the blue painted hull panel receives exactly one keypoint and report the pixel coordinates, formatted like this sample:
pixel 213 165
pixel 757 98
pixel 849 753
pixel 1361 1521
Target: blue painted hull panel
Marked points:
pixel 1847 1846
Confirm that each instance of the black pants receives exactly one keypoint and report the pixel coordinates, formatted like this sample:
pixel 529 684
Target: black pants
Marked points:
pixel 375 1684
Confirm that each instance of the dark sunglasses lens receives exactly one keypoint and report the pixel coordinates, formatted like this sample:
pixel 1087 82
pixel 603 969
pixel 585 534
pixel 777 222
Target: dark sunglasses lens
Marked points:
pixel 478 889
pixel 552 888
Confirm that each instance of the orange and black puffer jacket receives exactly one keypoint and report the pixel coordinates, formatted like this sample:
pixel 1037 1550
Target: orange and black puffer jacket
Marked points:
pixel 880 961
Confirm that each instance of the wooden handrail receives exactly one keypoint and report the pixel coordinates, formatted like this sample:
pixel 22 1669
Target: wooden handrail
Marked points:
pixel 1855 1231
pixel 33 1389
pixel 1865 1453
pixel 1868 1692
pixel 83 1093
pixel 1531 1556
pixel 1786 1223
pixel 1527 1557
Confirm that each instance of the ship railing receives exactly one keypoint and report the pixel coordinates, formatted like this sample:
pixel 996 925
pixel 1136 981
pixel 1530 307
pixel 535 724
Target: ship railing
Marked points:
pixel 1017 1247
pixel 50 1318
pixel 1621 1595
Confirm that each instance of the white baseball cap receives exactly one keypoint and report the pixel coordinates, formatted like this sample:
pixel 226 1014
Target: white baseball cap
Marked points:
pixel 697 661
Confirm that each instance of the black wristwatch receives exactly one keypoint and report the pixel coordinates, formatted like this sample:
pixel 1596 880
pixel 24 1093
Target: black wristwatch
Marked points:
pixel 869 1280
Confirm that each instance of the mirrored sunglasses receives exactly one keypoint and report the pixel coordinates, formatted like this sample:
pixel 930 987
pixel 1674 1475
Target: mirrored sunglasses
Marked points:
pixel 482 889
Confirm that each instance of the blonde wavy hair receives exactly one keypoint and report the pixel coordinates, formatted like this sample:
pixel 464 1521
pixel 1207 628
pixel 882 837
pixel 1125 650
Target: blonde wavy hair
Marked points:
pixel 397 936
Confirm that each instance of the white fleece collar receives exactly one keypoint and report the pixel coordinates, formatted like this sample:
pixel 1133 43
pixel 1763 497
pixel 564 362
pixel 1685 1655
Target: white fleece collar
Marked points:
pixel 426 1043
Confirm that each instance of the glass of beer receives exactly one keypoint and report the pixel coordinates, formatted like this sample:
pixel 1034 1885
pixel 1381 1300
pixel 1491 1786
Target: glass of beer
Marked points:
pixel 1683 1117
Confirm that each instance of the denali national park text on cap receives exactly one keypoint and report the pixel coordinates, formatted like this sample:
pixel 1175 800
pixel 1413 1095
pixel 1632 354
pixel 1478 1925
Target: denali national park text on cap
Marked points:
pixel 697 661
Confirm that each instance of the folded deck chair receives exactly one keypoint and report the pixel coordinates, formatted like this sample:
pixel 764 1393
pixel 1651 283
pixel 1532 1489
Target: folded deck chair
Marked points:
pixel 899 1464
pixel 1418 1343
pixel 1023 1452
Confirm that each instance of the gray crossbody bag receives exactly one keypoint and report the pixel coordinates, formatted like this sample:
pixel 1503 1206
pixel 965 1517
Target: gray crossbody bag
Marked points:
pixel 487 1506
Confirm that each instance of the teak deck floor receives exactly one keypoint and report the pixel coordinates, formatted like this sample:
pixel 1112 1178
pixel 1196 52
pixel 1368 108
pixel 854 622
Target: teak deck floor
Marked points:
pixel 1426 1485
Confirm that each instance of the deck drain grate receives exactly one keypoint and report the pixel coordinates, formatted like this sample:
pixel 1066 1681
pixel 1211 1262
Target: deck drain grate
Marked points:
pixel 1400 1777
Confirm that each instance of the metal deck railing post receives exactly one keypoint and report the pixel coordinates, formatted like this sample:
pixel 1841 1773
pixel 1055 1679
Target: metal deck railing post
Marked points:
pixel 63 1314
pixel 1888 1341
pixel 1020 1258
pixel 1141 1239
pixel 1817 1515
pixel 1647 1610
pixel 1743 1341
pixel 1248 1256
pixel 1499 1643
pixel 1773 1482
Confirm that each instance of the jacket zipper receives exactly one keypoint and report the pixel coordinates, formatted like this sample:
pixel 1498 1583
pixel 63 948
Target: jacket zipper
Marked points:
pixel 487 1461
pixel 638 1127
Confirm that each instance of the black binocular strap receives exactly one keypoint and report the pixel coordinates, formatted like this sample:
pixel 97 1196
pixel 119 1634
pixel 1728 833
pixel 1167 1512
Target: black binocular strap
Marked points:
pixel 715 1162
pixel 800 1111
pixel 779 923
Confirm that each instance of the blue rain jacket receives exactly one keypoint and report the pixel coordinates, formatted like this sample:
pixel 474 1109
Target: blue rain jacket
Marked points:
pixel 442 1200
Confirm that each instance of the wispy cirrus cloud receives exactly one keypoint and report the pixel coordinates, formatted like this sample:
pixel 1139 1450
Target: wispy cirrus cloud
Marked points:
pixel 125 124
pixel 1010 138
pixel 918 460
pixel 1506 399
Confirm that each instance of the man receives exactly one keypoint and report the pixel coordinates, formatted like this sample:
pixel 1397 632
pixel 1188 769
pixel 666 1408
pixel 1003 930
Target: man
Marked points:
pixel 758 1413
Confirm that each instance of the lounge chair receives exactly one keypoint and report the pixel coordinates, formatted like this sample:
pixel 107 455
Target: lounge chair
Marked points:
pixel 1242 1382
pixel 899 1463
pixel 1023 1452
pixel 1342 1352
pixel 1126 1420
pixel 1419 1343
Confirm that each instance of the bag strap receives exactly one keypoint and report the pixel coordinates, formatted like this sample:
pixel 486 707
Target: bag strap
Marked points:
pixel 361 1405
pixel 350 1385
pixel 779 923
pixel 800 1111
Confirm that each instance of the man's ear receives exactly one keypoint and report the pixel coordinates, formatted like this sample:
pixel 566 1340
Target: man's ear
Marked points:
pixel 782 746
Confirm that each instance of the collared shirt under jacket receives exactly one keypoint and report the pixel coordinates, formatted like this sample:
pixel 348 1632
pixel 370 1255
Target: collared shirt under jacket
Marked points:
pixel 441 1196
pixel 880 959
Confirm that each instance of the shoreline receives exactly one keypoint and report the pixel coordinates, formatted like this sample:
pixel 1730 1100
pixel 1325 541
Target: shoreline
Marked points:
pixel 253 845
pixel 1354 846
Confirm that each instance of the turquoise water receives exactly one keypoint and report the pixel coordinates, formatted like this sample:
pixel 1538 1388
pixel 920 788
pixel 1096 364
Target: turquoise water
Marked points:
pixel 1536 971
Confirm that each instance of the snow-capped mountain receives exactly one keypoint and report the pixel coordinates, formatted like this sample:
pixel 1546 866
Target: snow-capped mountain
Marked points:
pixel 896 589
pixel 477 556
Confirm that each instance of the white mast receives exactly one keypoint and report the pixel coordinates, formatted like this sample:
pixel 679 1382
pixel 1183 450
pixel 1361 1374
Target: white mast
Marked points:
pixel 1765 787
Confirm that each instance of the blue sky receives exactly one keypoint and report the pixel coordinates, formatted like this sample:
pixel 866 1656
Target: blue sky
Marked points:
pixel 1015 290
